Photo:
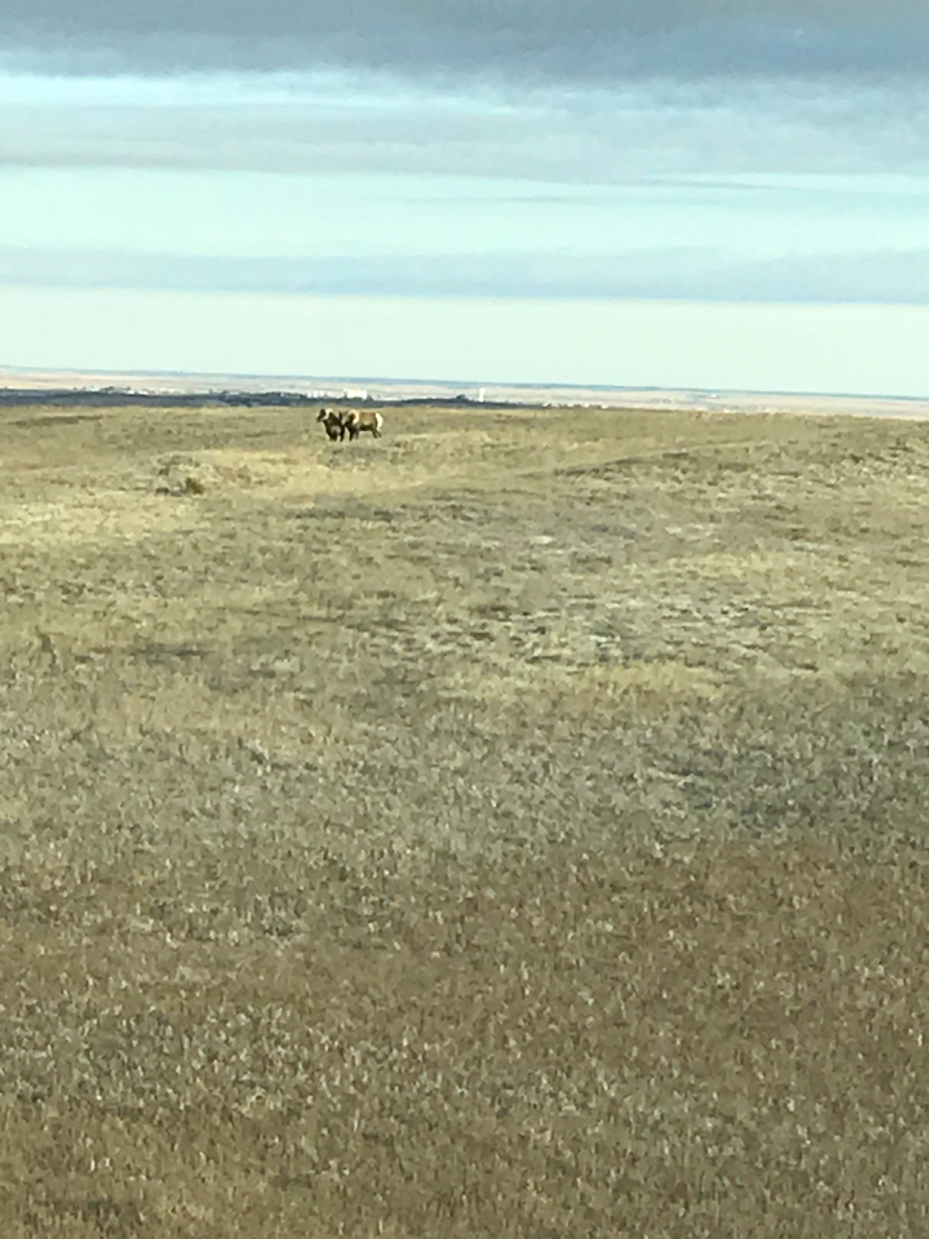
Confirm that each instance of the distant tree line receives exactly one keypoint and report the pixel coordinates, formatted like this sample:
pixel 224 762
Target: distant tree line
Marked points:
pixel 66 397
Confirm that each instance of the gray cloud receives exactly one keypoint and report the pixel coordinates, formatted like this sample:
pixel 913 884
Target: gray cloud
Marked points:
pixel 665 274
pixel 585 41
pixel 591 137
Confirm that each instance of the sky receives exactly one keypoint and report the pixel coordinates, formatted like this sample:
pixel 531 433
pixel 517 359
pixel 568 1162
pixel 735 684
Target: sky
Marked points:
pixel 695 193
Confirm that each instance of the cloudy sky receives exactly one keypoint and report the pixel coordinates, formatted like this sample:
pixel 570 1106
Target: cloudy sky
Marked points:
pixel 685 193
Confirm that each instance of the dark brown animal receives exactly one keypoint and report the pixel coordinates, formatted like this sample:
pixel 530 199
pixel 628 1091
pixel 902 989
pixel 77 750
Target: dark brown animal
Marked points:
pixel 332 423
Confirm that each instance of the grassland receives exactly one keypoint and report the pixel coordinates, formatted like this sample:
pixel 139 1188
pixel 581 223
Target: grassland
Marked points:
pixel 515 826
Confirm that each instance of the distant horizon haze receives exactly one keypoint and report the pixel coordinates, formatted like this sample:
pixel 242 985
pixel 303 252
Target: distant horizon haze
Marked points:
pixel 805 349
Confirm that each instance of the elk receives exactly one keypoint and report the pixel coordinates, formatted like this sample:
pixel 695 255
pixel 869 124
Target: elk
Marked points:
pixel 332 423
pixel 355 421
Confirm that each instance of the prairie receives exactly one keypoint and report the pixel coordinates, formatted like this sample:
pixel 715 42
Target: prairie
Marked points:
pixel 512 826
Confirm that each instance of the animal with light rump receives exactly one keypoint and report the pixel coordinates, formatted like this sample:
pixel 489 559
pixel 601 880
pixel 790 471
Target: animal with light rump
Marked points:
pixel 355 421
pixel 332 423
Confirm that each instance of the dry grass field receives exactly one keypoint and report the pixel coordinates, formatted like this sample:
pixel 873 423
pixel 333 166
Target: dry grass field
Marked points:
pixel 513 827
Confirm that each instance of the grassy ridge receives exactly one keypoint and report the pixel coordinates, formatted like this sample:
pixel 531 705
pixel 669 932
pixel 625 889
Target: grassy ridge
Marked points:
pixel 513 826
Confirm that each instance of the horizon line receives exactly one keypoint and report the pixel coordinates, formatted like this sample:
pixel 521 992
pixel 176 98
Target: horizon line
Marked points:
pixel 467 384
